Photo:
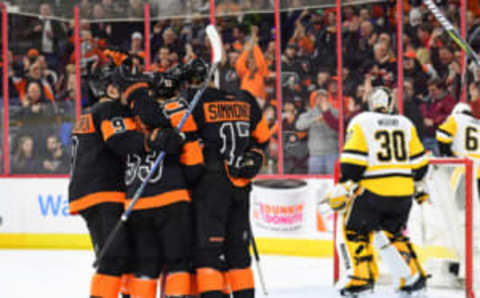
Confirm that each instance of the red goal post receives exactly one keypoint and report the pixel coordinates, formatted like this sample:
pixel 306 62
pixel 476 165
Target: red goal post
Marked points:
pixel 468 164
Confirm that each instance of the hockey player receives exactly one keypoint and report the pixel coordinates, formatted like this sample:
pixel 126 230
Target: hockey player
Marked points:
pixel 234 136
pixel 161 218
pixel 382 164
pixel 101 138
pixel 458 135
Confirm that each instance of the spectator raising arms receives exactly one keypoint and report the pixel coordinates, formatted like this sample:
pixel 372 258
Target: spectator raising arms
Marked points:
pixel 252 68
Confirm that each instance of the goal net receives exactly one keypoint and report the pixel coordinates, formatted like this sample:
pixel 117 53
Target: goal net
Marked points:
pixel 446 230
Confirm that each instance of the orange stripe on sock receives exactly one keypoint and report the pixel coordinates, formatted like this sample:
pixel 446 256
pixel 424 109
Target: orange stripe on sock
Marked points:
pixel 209 279
pixel 125 284
pixel 241 279
pixel 178 284
pixel 226 284
pixel 143 288
pixel 105 286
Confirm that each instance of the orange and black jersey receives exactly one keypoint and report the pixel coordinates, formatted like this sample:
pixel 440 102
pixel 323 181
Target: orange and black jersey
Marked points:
pixel 229 124
pixel 169 183
pixel 101 138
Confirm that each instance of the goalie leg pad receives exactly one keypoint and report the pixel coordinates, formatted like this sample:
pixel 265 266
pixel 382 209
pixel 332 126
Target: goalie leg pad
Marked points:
pixel 406 250
pixel 391 256
pixel 356 260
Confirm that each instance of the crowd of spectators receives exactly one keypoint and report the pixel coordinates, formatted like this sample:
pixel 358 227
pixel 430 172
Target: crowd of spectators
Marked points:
pixel 42 76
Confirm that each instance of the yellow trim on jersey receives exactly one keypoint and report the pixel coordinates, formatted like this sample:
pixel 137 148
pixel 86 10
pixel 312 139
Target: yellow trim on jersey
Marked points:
pixel 415 147
pixel 356 140
pixel 389 166
pixel 473 155
pixel 442 139
pixel 389 186
pixel 447 130
pixel 358 162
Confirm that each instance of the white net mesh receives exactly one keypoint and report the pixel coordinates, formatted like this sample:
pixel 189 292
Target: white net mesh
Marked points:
pixel 440 229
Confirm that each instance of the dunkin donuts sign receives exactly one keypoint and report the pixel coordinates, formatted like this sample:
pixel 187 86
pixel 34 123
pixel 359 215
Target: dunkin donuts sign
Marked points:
pixel 278 205
pixel 278 217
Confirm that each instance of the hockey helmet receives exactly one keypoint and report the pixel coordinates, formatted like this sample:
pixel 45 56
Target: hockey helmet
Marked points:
pixel 165 85
pixel 99 81
pixel 381 100
pixel 195 71
pixel 462 108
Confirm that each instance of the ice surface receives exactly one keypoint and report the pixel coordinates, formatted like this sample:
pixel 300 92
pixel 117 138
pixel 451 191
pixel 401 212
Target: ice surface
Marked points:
pixel 66 274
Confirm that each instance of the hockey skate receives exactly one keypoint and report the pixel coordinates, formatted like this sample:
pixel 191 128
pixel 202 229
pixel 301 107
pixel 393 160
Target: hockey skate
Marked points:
pixel 357 291
pixel 416 289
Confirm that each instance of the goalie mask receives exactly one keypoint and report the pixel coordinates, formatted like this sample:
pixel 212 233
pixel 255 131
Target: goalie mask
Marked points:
pixel 462 108
pixel 380 100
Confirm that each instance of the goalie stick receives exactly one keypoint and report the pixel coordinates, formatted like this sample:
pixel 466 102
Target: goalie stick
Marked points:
pixel 452 32
pixel 216 45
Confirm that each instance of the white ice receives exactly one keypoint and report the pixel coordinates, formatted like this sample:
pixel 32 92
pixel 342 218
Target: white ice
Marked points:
pixel 66 274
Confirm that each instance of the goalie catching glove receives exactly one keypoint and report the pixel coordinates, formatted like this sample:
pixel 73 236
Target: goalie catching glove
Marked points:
pixel 165 139
pixel 341 194
pixel 421 194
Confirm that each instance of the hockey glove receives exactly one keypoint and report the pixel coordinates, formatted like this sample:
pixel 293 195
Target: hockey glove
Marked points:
pixel 341 194
pixel 421 194
pixel 251 164
pixel 165 139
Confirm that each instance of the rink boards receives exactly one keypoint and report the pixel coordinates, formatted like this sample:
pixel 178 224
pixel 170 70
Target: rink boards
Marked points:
pixel 34 214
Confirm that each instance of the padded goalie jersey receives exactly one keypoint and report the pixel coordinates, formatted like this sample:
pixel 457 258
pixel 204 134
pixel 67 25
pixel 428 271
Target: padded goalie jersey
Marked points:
pixel 229 124
pixel 383 152
pixel 101 139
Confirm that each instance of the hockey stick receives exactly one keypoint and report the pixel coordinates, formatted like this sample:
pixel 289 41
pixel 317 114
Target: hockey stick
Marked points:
pixel 257 262
pixel 452 32
pixel 217 57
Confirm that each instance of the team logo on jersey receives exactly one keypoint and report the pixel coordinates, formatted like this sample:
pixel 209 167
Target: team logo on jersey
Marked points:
pixel 223 111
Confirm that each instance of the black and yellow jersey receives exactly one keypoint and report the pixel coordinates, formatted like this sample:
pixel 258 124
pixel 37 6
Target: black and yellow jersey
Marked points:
pixel 229 123
pixel 462 133
pixel 101 138
pixel 383 153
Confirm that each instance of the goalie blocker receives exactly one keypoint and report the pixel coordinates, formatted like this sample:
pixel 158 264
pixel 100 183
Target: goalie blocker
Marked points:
pixel 384 155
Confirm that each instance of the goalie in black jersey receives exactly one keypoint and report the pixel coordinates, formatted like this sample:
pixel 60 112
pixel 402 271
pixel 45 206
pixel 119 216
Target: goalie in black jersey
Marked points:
pixel 234 135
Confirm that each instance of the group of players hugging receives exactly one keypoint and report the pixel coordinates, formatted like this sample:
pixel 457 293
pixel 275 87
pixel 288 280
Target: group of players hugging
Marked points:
pixel 189 231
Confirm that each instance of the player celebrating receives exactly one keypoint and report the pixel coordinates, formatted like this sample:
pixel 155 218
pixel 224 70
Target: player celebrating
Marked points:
pixel 161 217
pixel 234 135
pixel 101 138
pixel 382 164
